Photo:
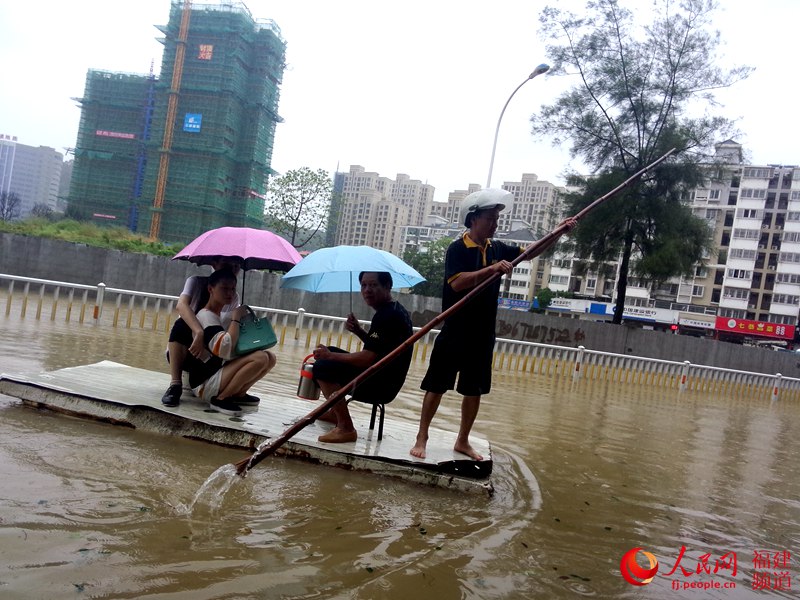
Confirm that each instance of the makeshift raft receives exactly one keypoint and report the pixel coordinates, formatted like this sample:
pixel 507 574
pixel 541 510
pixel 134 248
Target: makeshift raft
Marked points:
pixel 131 397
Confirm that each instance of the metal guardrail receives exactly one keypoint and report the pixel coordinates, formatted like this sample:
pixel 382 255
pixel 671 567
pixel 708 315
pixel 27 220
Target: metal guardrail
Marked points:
pixel 115 307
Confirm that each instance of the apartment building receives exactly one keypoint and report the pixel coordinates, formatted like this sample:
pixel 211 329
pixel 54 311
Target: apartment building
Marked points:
pixel 755 210
pixel 31 172
pixel 534 210
pixel 536 203
pixel 448 211
pixel 750 285
pixel 375 209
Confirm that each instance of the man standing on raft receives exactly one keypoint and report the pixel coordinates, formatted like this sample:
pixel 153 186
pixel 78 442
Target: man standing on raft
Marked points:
pixel 465 345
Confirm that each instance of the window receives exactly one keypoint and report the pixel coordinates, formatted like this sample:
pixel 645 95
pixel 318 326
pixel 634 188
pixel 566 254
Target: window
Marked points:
pixel 735 293
pixel 744 253
pixel 752 193
pixel 713 194
pixel 559 279
pixel 669 288
pixel 746 234
pixel 791 236
pixel 739 274
pixel 787 278
pixel 757 173
pixel 698 290
pixel 786 299
pixel 748 213
pixel 591 284
pixel 796 195
pixel 783 319
pixel 789 257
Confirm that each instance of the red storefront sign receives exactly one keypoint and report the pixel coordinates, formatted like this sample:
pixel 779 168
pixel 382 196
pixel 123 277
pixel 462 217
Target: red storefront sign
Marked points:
pixel 747 327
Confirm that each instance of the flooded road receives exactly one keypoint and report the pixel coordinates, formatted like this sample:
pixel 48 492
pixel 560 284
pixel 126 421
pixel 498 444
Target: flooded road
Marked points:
pixel 584 473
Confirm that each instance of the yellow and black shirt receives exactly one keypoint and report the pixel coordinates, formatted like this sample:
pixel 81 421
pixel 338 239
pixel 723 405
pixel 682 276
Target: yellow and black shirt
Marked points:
pixel 463 256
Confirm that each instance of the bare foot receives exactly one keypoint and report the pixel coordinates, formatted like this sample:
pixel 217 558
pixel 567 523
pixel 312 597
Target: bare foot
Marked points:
pixel 468 450
pixel 419 448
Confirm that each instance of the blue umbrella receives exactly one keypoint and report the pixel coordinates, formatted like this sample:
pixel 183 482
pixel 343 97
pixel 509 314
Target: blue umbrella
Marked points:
pixel 336 269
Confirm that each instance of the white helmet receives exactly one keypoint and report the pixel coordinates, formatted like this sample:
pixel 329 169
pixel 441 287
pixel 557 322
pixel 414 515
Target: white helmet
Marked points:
pixel 483 200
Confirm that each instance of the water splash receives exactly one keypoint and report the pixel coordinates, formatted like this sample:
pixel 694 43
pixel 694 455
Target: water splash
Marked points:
pixel 215 487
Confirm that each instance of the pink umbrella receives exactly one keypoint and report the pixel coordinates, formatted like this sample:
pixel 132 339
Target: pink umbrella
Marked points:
pixel 252 248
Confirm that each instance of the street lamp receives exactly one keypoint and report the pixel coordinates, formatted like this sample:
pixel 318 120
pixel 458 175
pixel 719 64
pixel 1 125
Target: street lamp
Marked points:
pixel 543 68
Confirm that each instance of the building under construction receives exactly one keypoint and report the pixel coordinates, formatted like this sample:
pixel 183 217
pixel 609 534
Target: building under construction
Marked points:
pixel 190 150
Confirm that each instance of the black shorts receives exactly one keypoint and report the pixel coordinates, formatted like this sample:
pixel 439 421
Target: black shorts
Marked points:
pixel 181 333
pixel 453 356
pixel 333 371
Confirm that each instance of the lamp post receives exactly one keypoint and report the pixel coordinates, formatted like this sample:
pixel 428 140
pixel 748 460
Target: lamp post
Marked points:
pixel 543 68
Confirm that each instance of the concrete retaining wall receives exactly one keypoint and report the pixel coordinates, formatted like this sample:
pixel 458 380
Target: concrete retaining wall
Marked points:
pixel 77 263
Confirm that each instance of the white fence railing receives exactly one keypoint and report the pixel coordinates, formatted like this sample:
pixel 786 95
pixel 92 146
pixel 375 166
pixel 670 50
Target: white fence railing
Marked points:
pixel 105 306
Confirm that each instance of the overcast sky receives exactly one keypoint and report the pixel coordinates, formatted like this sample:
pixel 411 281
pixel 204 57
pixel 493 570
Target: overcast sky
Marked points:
pixel 412 87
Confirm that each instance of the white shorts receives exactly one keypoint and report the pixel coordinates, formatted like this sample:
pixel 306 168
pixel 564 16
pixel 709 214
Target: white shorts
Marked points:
pixel 210 387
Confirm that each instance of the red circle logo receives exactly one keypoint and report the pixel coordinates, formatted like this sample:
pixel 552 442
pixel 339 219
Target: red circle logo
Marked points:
pixel 633 572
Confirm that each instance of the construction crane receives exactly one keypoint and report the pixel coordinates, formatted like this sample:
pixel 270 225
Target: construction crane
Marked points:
pixel 169 126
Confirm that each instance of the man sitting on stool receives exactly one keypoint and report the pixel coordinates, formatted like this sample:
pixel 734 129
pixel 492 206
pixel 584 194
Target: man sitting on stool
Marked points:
pixel 333 367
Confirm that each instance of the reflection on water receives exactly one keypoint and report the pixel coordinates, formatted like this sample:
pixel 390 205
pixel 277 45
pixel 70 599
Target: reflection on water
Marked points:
pixel 584 472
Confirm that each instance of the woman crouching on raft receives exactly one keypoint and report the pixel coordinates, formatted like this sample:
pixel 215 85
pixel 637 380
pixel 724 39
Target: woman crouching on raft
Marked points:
pixel 217 376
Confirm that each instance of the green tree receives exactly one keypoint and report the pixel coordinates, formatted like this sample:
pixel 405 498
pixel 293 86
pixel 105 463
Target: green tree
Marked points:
pixel 297 204
pixel 544 298
pixel 10 204
pixel 42 211
pixel 639 93
pixel 429 262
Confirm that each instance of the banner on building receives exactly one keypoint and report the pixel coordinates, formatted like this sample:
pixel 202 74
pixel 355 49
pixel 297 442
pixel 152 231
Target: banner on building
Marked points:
pixel 513 304
pixel 115 134
pixel 192 122
pixel 700 324
pixel 748 327
pixel 205 52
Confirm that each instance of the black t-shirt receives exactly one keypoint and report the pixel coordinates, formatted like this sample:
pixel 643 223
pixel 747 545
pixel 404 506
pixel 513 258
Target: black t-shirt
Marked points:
pixel 477 316
pixel 390 327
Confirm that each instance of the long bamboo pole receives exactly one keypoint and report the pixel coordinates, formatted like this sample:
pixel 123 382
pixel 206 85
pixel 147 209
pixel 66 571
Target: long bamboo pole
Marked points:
pixel 535 249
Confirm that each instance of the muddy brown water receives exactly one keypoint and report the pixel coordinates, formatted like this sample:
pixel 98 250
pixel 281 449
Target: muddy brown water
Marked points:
pixel 583 473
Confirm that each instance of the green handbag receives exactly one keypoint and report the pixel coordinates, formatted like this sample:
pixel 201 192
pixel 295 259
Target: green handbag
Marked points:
pixel 254 334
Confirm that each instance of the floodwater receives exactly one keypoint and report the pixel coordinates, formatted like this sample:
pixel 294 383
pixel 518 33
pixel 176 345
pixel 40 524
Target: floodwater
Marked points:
pixel 584 473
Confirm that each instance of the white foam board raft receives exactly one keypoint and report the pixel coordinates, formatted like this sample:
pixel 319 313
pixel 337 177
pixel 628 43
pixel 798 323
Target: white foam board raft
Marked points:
pixel 129 396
